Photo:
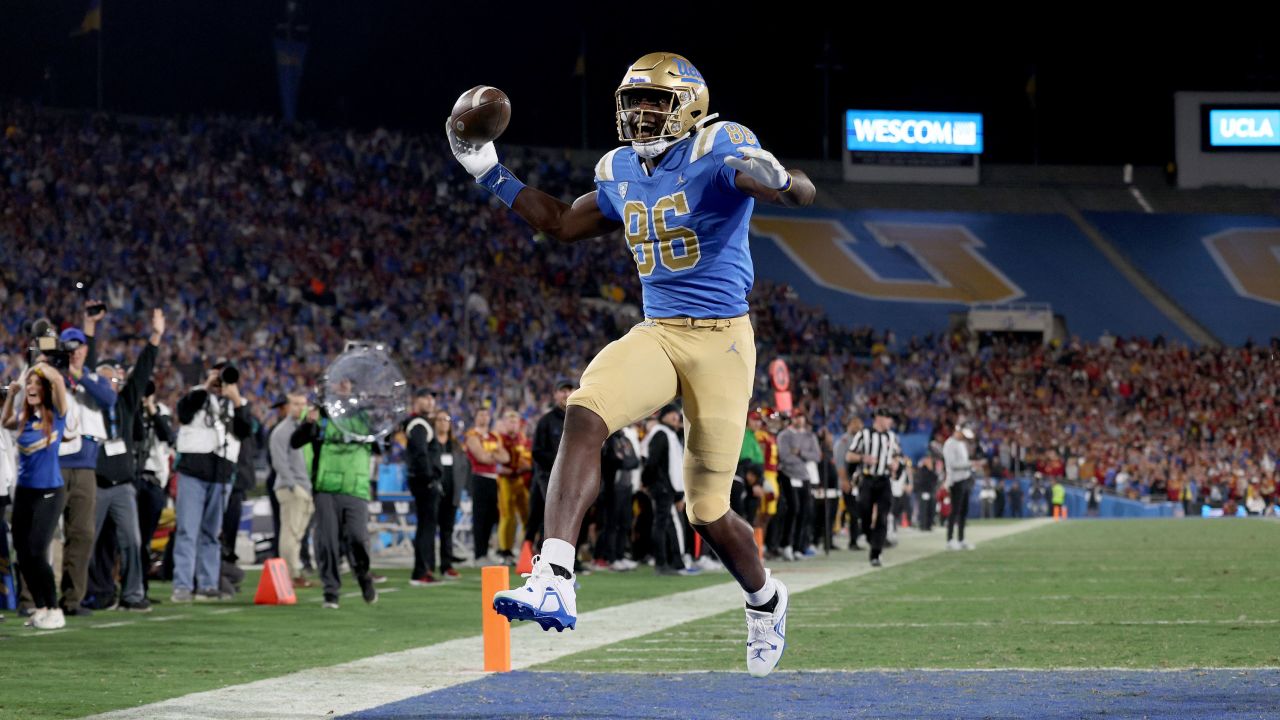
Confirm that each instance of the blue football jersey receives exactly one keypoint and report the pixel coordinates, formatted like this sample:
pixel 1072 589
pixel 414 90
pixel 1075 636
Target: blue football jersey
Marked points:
pixel 686 224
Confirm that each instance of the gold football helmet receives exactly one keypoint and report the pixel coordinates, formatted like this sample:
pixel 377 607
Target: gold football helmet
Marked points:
pixel 678 86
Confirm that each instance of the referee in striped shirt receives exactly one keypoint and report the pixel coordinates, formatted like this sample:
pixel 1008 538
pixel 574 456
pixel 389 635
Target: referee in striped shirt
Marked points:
pixel 873 449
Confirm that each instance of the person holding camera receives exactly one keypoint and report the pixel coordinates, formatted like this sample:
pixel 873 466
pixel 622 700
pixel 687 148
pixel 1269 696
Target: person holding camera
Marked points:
pixel 39 415
pixel 213 418
pixel 117 467
pixel 152 480
pixel 90 401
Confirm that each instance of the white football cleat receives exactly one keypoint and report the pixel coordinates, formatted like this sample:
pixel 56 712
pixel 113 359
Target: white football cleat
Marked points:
pixel 546 599
pixel 966 545
pixel 767 635
pixel 954 545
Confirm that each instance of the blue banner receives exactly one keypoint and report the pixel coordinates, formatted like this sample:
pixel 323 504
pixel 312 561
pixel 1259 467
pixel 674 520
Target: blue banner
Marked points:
pixel 1244 128
pixel 290 55
pixel 921 132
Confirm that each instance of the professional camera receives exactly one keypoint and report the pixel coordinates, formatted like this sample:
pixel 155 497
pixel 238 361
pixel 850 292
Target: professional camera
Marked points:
pixel 45 342
pixel 228 373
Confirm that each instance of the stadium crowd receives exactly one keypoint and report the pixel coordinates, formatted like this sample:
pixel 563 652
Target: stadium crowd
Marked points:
pixel 267 246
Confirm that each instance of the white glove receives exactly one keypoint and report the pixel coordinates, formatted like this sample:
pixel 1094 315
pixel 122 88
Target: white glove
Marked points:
pixel 762 166
pixel 475 160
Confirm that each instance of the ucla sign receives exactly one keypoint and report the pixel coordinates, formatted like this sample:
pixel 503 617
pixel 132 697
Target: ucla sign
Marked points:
pixel 1244 128
pixel 921 132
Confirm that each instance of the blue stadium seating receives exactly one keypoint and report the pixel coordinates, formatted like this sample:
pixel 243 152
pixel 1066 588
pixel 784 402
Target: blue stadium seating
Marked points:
pixel 933 263
pixel 1222 269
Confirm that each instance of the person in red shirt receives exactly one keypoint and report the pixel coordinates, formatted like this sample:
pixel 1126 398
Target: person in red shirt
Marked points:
pixel 768 439
pixel 486 452
pixel 513 483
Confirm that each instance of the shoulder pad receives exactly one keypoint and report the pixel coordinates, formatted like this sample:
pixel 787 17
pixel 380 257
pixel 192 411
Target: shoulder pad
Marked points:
pixel 604 168
pixel 705 140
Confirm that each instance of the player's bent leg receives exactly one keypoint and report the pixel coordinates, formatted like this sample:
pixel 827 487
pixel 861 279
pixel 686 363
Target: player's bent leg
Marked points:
pixel 629 379
pixel 548 597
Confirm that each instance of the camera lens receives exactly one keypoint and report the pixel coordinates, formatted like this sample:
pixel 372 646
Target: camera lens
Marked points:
pixel 230 375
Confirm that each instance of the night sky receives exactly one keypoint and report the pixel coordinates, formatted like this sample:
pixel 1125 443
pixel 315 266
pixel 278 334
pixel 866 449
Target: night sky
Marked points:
pixel 1103 96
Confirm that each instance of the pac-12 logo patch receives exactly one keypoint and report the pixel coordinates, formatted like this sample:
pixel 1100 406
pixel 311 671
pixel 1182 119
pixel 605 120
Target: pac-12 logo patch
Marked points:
pixel 622 189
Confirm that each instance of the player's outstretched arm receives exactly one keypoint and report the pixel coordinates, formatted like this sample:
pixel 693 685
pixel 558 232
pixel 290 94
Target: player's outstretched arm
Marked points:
pixel 761 176
pixel 566 223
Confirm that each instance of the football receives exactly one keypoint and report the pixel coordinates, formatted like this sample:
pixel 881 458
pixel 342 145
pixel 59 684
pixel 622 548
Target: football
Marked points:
pixel 480 114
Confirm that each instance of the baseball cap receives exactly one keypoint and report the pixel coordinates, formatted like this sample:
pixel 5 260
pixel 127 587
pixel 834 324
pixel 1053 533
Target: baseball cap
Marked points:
pixel 883 411
pixel 565 381
pixel 74 335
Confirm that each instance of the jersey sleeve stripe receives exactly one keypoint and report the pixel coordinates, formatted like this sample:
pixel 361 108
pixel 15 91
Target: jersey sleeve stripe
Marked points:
pixel 705 141
pixel 604 168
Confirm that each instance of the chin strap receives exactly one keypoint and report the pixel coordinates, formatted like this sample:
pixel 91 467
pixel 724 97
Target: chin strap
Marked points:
pixel 652 148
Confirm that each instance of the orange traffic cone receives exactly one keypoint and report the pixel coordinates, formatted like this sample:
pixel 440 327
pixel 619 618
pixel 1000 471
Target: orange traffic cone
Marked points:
pixel 275 587
pixel 525 563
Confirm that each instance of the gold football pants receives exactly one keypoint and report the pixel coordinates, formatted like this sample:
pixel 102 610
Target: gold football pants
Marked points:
pixel 711 365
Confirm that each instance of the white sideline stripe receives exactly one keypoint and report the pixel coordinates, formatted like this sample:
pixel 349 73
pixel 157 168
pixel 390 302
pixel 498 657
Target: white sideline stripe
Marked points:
pixel 987 623
pixel 904 670
pixel 382 679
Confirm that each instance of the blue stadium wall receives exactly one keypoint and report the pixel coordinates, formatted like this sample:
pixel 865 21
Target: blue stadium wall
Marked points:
pixel 909 270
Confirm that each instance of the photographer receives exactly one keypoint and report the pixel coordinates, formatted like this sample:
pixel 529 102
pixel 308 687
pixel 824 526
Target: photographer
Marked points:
pixel 152 481
pixel 39 415
pixel 117 467
pixel 90 400
pixel 213 419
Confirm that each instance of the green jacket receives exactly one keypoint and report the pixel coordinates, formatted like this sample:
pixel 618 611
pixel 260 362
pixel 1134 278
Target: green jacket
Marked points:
pixel 1059 494
pixel 344 467
pixel 751 449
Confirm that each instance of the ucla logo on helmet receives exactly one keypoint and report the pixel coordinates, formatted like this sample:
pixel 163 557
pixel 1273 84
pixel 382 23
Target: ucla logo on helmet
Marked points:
pixel 686 68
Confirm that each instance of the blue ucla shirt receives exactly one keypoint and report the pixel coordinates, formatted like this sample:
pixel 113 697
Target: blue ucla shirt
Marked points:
pixel 38 466
pixel 686 224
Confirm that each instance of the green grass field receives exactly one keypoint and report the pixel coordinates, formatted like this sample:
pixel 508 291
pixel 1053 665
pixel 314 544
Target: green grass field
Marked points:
pixel 1139 594
pixel 1134 594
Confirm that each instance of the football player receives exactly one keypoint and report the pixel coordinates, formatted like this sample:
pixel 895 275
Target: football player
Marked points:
pixel 682 190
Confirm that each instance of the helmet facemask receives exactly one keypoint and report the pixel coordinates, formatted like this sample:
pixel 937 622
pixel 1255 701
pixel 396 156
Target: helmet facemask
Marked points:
pixel 649 117
pixel 662 99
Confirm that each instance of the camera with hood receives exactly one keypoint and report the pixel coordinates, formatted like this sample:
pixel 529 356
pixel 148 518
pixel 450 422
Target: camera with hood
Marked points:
pixel 45 341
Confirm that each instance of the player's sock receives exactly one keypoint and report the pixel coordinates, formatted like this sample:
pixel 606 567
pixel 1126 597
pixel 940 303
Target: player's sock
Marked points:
pixel 560 555
pixel 764 599
pixel 768 606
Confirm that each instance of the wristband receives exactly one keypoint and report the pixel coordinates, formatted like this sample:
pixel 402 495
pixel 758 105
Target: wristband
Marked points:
pixel 502 183
pixel 787 187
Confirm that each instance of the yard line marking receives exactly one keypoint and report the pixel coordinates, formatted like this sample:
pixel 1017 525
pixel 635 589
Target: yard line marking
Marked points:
pixel 382 679
pixel 113 624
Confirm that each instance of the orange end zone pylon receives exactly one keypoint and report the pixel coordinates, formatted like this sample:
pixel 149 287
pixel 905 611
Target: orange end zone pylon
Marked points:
pixel 497 629
pixel 275 587
pixel 525 563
